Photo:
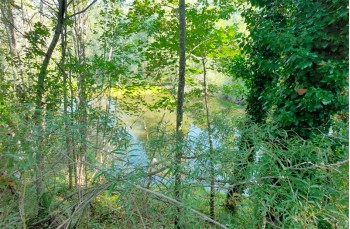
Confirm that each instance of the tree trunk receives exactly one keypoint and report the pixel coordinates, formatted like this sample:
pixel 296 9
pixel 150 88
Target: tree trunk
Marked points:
pixel 43 70
pixel 179 109
pixel 39 107
pixel 79 47
pixel 9 22
pixel 67 122
pixel 210 140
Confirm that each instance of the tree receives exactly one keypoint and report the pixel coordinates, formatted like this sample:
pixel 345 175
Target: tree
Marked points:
pixel 294 85
pixel 40 90
pixel 306 63
pixel 9 22
pixel 179 107
pixel 62 6
pixel 316 49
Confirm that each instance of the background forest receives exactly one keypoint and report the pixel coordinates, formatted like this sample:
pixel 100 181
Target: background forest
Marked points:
pixel 174 114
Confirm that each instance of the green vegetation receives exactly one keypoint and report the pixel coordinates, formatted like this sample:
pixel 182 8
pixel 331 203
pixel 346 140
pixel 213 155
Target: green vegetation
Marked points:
pixel 167 114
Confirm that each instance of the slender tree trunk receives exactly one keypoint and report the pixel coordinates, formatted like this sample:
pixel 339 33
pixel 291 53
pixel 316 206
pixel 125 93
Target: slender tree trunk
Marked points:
pixel 67 122
pixel 41 11
pixel 210 140
pixel 39 107
pixel 179 109
pixel 72 111
pixel 79 46
pixel 9 22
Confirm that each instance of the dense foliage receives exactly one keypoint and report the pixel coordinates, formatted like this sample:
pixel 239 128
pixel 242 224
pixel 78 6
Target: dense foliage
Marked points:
pixel 297 59
pixel 89 136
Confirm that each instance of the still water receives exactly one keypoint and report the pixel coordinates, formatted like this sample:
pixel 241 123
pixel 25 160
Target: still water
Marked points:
pixel 146 126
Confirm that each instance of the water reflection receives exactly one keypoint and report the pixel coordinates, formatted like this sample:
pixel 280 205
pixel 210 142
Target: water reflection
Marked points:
pixel 143 128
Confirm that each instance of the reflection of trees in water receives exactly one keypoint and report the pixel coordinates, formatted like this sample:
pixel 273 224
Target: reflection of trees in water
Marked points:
pixel 149 143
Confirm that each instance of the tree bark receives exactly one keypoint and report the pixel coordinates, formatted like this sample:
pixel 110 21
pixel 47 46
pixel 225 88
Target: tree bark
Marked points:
pixel 179 108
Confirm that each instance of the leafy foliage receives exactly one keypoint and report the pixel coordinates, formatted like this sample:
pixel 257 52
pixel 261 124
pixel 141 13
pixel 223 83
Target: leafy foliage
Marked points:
pixel 292 182
pixel 293 46
pixel 103 147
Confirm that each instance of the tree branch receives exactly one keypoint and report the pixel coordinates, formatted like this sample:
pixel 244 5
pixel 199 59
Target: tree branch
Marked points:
pixel 158 171
pixel 82 11
pixel 316 166
pixel 173 201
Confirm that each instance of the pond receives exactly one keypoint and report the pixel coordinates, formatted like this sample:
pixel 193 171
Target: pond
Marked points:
pixel 147 128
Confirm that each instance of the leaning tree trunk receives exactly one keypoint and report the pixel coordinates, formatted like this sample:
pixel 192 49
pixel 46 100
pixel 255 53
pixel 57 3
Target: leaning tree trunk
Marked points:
pixel 40 89
pixel 179 109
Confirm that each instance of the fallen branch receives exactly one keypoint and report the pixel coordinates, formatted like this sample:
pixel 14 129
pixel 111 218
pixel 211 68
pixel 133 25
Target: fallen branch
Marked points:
pixel 173 201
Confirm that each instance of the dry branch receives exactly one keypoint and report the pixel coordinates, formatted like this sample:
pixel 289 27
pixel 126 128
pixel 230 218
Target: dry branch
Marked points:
pixel 179 204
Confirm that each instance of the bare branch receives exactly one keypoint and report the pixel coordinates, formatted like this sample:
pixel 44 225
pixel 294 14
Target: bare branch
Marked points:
pixel 158 171
pixel 173 201
pixel 82 11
